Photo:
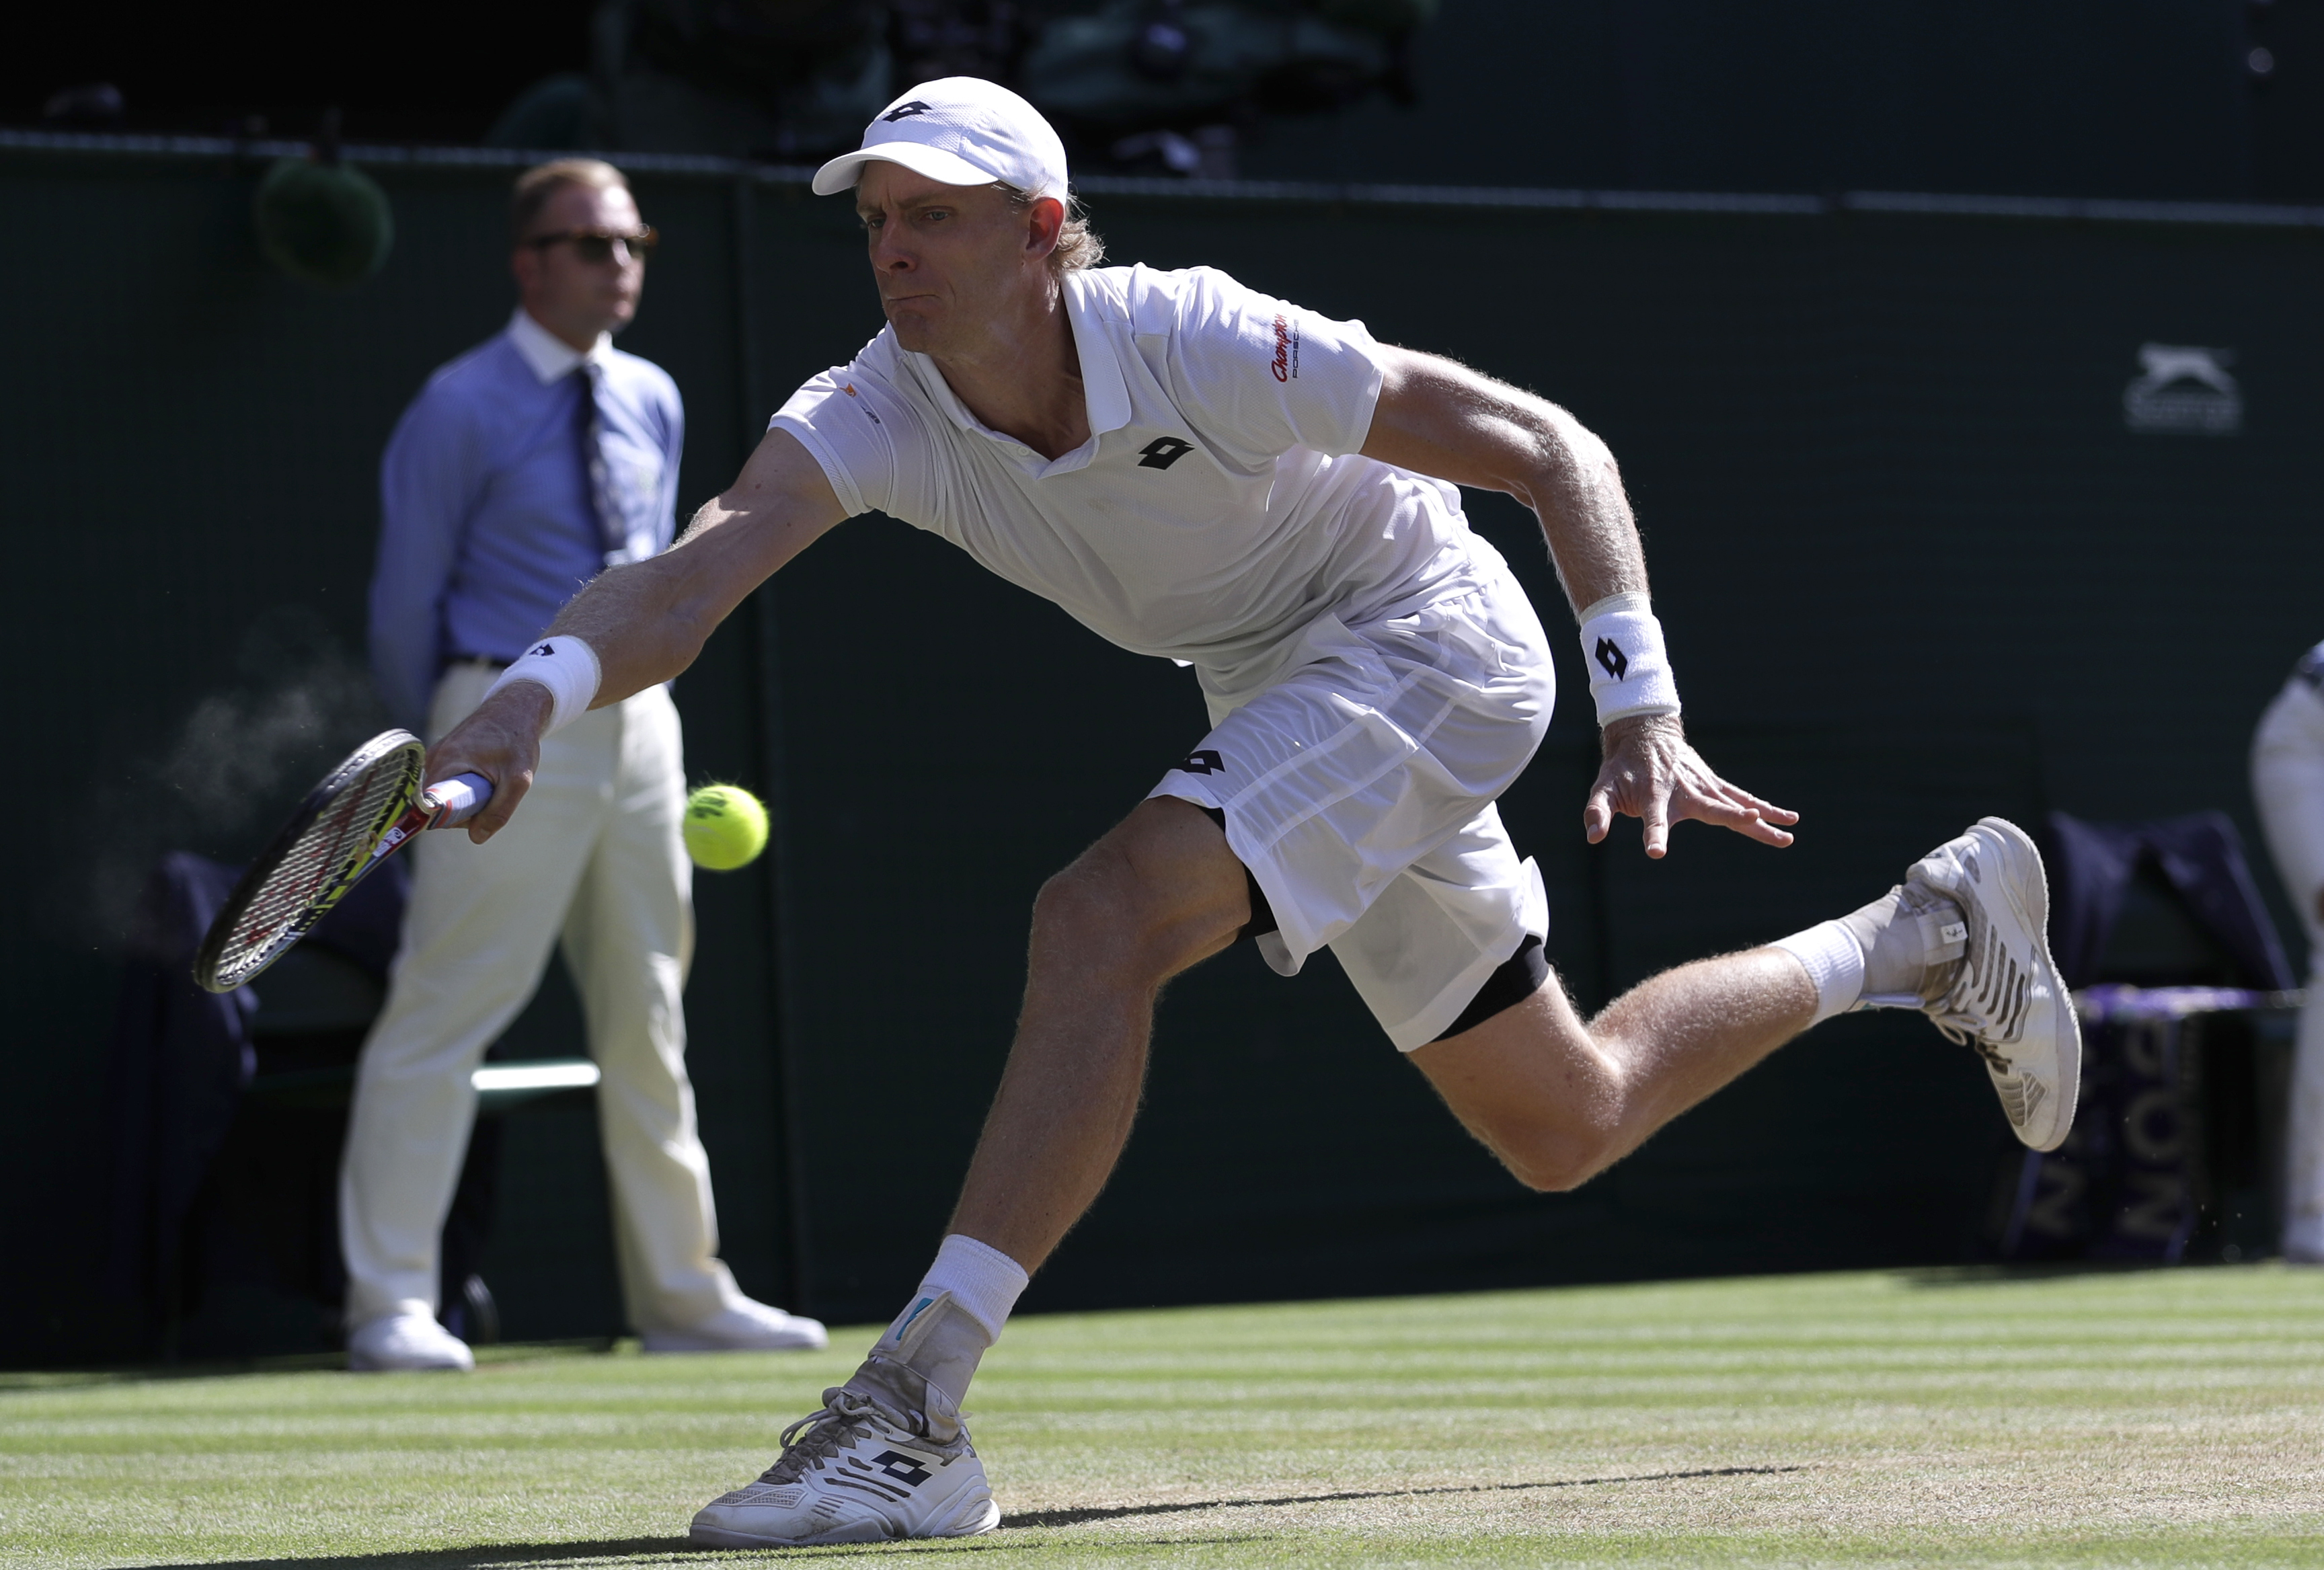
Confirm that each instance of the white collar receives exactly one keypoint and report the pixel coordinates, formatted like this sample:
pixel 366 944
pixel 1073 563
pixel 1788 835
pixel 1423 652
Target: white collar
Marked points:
pixel 1104 391
pixel 549 355
pixel 1102 383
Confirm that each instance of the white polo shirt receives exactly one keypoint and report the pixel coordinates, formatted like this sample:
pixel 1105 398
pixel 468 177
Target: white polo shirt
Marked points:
pixel 1219 506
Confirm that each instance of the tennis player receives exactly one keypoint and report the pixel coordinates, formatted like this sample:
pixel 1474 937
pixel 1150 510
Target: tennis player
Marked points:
pixel 1196 470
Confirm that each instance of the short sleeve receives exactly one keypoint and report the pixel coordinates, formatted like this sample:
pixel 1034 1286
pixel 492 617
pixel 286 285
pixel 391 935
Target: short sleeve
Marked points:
pixel 1268 376
pixel 860 432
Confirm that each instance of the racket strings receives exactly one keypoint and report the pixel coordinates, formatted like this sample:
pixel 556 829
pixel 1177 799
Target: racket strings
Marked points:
pixel 331 849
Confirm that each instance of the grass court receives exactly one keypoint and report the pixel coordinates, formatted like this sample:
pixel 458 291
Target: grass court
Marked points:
pixel 2131 1419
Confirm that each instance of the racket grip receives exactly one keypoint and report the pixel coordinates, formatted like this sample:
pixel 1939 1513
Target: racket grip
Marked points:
pixel 458 799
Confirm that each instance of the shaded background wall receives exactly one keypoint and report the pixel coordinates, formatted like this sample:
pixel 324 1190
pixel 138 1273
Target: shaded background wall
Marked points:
pixel 1914 566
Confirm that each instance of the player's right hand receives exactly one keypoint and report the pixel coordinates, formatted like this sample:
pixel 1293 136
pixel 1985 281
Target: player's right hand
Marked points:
pixel 502 742
pixel 1652 774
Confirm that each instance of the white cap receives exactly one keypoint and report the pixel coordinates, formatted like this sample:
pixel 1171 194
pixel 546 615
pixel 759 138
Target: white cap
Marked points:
pixel 958 131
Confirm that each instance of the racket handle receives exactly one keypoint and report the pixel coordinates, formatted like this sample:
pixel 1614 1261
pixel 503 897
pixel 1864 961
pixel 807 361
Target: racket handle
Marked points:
pixel 458 799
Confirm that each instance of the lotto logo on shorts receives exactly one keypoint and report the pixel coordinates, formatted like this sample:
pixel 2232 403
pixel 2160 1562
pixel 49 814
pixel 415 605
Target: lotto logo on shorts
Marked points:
pixel 1203 762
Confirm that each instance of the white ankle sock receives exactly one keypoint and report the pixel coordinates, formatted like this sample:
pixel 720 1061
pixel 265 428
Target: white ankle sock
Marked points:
pixel 982 1279
pixel 953 1320
pixel 1834 962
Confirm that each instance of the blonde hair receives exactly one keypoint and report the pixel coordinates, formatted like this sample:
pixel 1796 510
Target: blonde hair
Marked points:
pixel 1078 245
pixel 536 185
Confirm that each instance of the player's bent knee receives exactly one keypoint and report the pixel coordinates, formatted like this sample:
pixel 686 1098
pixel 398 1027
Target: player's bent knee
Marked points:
pixel 1532 1086
pixel 1551 1150
pixel 1138 906
pixel 1553 1161
pixel 1098 919
pixel 1559 1173
pixel 1084 906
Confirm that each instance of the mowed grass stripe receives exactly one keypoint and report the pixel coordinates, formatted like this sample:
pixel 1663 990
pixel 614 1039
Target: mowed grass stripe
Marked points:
pixel 2135 1417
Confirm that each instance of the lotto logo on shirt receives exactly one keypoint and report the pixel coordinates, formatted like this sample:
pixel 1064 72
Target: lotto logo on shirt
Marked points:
pixel 1287 350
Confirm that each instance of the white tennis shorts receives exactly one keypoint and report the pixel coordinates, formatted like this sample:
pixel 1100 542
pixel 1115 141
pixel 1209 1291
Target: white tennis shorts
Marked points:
pixel 1358 789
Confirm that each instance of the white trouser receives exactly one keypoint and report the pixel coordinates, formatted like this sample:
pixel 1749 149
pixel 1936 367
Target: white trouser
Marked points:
pixel 593 856
pixel 2288 784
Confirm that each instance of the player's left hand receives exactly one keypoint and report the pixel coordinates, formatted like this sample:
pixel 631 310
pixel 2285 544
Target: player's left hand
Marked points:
pixel 1652 774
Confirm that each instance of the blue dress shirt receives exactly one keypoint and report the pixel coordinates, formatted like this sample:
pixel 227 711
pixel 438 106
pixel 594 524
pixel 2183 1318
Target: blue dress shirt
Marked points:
pixel 488 525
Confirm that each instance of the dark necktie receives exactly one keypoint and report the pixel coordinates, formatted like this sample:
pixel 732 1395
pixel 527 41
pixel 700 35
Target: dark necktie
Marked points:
pixel 604 501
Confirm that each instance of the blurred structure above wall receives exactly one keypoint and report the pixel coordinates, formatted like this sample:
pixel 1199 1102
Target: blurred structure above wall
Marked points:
pixel 2066 96
pixel 2166 99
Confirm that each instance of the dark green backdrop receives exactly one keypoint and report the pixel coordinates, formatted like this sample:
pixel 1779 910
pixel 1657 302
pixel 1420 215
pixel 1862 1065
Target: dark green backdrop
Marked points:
pixel 1913 568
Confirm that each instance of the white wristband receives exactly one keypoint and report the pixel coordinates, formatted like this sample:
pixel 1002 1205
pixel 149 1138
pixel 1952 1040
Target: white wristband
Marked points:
pixel 565 666
pixel 1629 669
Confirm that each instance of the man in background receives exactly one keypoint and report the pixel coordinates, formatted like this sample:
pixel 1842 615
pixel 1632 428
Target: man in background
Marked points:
pixel 523 469
pixel 2288 784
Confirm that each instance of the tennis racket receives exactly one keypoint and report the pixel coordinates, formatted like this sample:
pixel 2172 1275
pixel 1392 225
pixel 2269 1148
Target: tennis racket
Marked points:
pixel 364 811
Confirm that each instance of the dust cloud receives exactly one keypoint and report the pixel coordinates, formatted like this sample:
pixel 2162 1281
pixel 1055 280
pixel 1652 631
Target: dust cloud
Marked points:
pixel 234 767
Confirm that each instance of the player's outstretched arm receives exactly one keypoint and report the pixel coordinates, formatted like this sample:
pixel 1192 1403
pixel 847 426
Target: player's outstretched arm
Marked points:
pixel 1439 418
pixel 647 620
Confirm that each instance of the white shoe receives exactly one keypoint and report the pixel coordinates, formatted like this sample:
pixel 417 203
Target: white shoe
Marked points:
pixel 406 1341
pixel 747 1326
pixel 2006 999
pixel 854 1474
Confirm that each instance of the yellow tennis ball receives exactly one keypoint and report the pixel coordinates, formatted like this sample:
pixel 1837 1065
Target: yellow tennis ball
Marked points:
pixel 725 827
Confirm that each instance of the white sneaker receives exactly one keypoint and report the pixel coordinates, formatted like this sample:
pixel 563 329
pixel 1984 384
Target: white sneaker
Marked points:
pixel 858 1472
pixel 2006 999
pixel 747 1326
pixel 406 1341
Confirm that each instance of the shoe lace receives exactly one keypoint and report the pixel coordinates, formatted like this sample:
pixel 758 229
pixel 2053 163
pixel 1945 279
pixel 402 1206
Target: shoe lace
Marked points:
pixel 818 1436
pixel 1989 1003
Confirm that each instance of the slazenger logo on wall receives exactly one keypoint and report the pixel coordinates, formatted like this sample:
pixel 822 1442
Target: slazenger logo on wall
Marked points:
pixel 2183 391
pixel 1286 351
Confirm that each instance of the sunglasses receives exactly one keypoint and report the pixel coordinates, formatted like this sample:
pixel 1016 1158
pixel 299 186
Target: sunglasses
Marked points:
pixel 596 245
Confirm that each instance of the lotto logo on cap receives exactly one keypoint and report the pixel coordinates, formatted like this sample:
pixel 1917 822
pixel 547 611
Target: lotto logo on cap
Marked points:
pixel 957 130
